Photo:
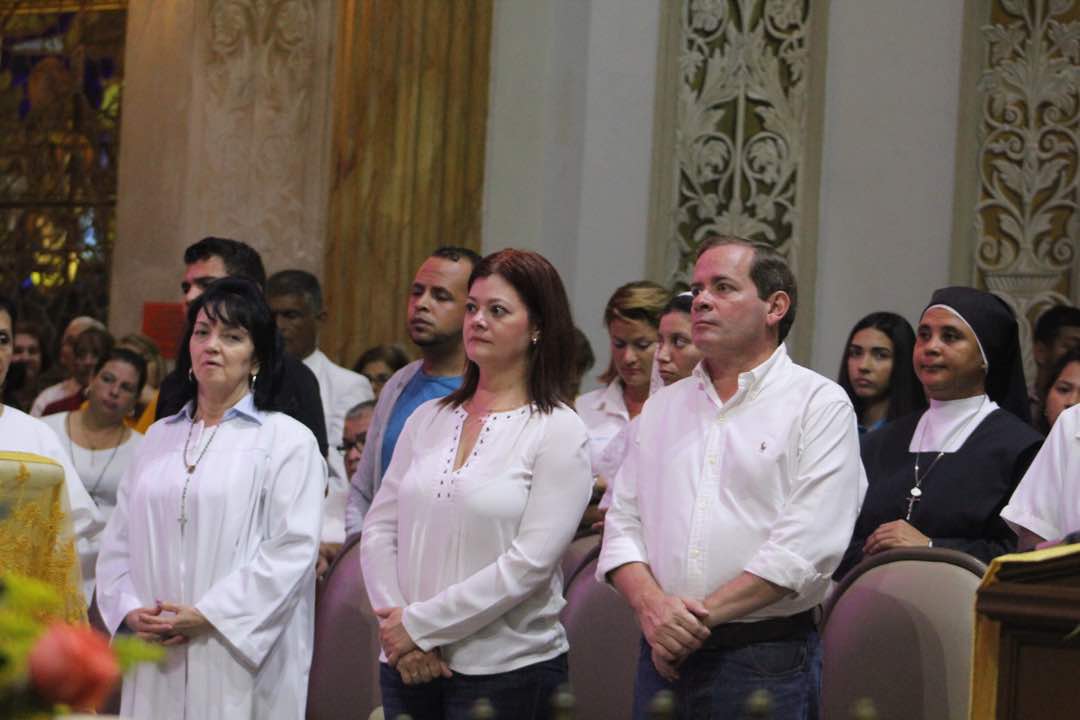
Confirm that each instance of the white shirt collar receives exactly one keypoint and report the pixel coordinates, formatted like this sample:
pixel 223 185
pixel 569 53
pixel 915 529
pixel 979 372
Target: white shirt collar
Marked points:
pixel 245 407
pixel 611 400
pixel 750 382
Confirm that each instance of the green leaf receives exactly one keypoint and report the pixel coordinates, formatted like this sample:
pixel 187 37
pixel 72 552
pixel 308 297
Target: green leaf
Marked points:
pixel 131 651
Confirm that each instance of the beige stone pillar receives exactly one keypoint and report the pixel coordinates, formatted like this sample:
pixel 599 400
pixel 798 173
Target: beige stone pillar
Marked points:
pixel 225 131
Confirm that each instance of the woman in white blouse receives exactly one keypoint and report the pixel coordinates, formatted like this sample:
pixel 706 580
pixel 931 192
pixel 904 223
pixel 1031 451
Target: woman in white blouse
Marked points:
pixel 211 547
pixel 632 317
pixel 99 443
pixel 461 547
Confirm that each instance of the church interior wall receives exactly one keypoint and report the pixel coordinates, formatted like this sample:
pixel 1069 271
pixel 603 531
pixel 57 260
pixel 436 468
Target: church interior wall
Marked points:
pixel 891 99
pixel 569 154
pixel 570 141
pixel 575 110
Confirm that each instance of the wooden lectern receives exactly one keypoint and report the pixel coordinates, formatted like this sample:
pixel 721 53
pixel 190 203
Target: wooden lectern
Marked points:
pixel 1027 637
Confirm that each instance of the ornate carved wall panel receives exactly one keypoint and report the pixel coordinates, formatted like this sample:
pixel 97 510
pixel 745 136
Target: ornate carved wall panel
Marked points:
pixel 1021 223
pixel 410 111
pixel 747 137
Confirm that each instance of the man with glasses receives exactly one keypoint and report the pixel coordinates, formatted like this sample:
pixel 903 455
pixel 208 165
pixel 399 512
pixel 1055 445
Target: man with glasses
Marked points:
pixel 354 436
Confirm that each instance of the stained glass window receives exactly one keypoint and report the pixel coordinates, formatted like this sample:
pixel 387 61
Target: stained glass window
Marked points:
pixel 61 70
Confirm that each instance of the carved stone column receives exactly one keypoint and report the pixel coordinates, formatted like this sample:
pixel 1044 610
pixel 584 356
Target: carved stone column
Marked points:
pixel 747 136
pixel 225 132
pixel 1018 167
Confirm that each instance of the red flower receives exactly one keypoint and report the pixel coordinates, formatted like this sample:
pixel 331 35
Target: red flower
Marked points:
pixel 73 665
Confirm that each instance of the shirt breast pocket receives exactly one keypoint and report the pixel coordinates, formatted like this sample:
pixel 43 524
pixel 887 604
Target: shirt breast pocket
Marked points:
pixel 755 474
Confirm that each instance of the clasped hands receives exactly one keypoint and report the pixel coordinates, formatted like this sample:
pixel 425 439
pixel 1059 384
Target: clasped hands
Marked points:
pixel 674 627
pixel 413 664
pixel 178 625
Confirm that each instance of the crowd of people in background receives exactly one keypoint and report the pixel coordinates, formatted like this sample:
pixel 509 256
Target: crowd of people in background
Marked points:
pixel 731 485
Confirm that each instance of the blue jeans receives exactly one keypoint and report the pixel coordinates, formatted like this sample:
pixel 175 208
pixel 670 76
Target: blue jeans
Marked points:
pixel 647 682
pixel 524 693
pixel 714 683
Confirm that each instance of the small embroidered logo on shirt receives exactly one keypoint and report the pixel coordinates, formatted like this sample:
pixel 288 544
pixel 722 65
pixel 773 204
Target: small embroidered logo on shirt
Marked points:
pixel 762 447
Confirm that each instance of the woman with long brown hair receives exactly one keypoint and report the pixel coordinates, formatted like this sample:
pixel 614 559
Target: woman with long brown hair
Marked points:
pixel 462 544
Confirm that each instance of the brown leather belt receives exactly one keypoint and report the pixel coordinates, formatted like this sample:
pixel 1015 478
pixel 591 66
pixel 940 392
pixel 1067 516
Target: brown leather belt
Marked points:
pixel 740 634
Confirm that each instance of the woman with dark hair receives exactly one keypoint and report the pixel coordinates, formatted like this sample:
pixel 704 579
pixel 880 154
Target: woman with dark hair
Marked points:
pixel 146 407
pixel 211 548
pixel 98 441
pixel 877 373
pixel 676 354
pixel 940 478
pixel 1063 390
pixel 379 363
pixel 30 361
pixel 461 547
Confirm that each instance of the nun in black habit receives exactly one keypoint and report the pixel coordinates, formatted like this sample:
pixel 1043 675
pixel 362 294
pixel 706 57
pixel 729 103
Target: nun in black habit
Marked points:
pixel 940 477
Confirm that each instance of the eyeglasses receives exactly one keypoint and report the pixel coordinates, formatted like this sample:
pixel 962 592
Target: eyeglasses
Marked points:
pixel 357 442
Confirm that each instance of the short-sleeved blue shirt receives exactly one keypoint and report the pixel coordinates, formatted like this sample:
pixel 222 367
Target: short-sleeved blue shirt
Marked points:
pixel 421 388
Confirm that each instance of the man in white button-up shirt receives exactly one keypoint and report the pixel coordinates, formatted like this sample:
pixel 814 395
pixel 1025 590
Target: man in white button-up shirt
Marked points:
pixel 296 300
pixel 736 501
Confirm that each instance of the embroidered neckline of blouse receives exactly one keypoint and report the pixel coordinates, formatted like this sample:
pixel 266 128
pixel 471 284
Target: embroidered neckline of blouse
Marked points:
pixel 462 414
pixel 519 410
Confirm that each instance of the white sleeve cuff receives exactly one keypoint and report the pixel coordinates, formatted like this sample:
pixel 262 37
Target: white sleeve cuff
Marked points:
pixel 618 551
pixel 412 626
pixel 782 567
pixel 114 619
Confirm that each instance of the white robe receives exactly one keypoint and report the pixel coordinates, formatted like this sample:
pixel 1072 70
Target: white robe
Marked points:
pixel 245 560
pixel 21 433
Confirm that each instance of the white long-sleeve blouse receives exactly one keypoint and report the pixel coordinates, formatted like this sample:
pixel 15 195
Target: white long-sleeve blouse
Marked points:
pixel 472 555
